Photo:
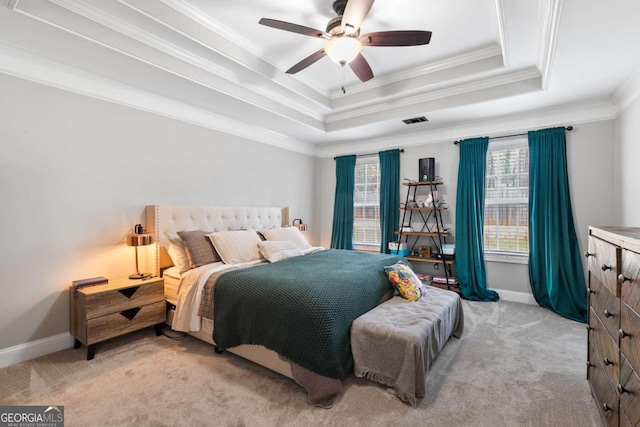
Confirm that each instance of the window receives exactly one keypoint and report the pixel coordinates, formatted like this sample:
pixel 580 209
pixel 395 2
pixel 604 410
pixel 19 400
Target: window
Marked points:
pixel 506 211
pixel 366 206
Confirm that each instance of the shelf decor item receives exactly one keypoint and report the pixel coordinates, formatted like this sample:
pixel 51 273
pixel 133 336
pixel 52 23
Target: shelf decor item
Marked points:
pixel 139 239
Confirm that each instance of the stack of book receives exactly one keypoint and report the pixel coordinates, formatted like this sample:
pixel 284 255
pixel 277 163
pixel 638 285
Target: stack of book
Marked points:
pixel 442 282
pixel 89 282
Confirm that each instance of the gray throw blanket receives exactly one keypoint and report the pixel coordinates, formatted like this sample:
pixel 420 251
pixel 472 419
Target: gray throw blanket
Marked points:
pixel 301 307
pixel 396 343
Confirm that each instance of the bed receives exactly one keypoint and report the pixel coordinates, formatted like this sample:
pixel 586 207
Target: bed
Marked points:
pixel 278 352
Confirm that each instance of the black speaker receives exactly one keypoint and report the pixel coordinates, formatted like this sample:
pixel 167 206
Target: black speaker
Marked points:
pixel 427 169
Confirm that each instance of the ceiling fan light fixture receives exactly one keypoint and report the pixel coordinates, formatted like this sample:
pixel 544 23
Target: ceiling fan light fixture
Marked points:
pixel 343 50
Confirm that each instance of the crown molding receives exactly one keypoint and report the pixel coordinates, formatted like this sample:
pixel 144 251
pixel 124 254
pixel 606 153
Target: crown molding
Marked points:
pixel 206 21
pixel 229 85
pixel 24 64
pixel 549 22
pixel 501 80
pixel 236 49
pixel 501 20
pixel 566 115
pixel 628 91
pixel 379 82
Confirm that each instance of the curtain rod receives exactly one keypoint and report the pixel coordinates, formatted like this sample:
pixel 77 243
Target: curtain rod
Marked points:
pixel 569 128
pixel 370 154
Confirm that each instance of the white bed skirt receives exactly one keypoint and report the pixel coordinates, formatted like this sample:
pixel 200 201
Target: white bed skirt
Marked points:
pixel 255 353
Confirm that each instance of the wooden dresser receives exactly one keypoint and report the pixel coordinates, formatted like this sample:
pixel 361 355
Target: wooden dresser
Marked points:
pixel 613 360
pixel 106 311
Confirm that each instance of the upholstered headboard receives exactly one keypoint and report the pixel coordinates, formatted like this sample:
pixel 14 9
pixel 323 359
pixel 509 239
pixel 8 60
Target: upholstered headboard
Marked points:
pixel 170 218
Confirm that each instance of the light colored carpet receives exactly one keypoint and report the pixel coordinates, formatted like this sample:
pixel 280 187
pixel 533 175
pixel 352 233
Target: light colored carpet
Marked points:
pixel 515 365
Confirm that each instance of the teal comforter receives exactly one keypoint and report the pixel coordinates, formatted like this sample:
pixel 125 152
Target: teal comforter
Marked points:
pixel 302 307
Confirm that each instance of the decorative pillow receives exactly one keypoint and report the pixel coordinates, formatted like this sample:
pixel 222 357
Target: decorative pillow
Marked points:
pixel 286 233
pixel 402 278
pixel 277 251
pixel 199 248
pixel 177 252
pixel 236 247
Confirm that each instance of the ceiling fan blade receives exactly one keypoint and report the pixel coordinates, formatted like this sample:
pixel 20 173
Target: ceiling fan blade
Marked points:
pixel 396 38
pixel 361 68
pixel 309 60
pixel 354 14
pixel 294 28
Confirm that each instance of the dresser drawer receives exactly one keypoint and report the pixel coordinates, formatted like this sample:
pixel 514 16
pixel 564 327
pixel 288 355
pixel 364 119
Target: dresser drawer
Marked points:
pixel 606 348
pixel 629 392
pixel 116 300
pixel 630 336
pixel 602 390
pixel 604 261
pixel 116 324
pixel 605 304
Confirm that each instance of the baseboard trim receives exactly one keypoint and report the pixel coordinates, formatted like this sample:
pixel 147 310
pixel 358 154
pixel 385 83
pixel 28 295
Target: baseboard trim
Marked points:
pixel 31 350
pixel 515 296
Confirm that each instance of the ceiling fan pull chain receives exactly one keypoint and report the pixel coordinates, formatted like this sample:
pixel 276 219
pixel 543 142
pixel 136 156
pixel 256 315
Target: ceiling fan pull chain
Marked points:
pixel 344 91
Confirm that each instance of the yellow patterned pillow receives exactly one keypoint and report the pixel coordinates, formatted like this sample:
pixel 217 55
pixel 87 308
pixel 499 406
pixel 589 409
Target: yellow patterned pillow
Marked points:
pixel 402 278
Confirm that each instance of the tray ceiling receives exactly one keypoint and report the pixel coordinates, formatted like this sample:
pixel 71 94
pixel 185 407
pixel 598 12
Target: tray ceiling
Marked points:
pixel 210 63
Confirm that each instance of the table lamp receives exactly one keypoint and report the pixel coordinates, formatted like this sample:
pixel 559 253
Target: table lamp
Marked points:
pixel 139 238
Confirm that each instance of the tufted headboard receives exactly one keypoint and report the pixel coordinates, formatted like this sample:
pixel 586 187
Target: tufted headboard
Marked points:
pixel 170 218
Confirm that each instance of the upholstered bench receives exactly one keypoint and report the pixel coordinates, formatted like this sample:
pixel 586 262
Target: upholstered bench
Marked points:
pixel 395 343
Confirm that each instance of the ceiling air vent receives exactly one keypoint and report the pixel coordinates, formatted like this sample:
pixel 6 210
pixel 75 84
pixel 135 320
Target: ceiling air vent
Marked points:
pixel 415 120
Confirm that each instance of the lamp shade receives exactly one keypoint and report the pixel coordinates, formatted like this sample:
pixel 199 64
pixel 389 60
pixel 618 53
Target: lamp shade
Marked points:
pixel 139 239
pixel 343 50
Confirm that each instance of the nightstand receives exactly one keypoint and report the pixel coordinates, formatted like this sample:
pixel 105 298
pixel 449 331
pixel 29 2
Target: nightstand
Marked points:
pixel 121 306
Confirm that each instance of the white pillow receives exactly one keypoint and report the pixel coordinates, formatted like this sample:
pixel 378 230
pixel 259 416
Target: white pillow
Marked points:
pixel 177 252
pixel 235 247
pixel 277 251
pixel 286 233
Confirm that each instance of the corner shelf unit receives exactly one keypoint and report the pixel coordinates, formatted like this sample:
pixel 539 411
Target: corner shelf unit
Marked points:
pixel 432 228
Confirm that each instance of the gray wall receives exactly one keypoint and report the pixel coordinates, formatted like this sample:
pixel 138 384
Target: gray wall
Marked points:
pixel 591 157
pixel 628 133
pixel 76 174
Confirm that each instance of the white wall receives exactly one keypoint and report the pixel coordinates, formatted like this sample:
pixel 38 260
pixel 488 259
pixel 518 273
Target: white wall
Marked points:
pixel 75 175
pixel 591 158
pixel 628 133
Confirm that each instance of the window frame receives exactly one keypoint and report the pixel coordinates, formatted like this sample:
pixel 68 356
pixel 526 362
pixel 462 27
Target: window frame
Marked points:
pixel 501 255
pixel 360 160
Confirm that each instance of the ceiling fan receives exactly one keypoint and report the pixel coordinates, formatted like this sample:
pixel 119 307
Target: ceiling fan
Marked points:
pixel 344 41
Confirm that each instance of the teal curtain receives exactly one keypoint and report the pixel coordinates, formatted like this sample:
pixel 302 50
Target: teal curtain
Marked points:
pixel 555 265
pixel 389 197
pixel 342 231
pixel 470 267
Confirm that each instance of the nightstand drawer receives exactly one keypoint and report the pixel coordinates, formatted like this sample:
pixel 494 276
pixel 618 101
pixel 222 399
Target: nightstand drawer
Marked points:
pixel 113 325
pixel 629 390
pixel 116 300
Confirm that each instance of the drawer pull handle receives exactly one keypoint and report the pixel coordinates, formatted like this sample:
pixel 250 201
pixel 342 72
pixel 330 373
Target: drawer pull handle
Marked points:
pixel 605 267
pixel 607 361
pixel 622 390
pixel 606 407
pixel 131 313
pixel 589 328
pixel 587 254
pixel 591 291
pixel 607 313
pixel 622 278
pixel 590 365
pixel 128 292
pixel 623 334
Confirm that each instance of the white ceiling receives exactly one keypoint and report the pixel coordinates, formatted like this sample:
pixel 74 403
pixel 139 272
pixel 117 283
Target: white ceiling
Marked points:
pixel 211 63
